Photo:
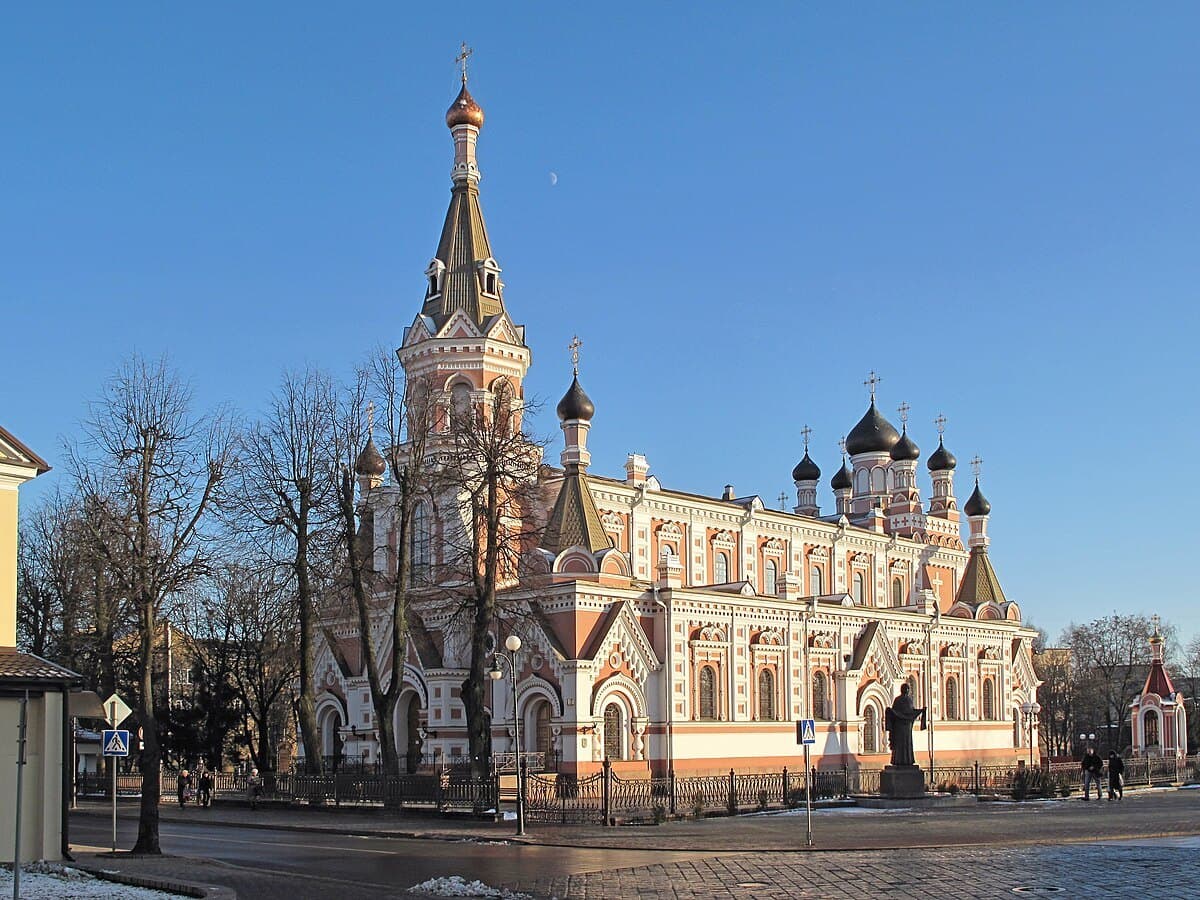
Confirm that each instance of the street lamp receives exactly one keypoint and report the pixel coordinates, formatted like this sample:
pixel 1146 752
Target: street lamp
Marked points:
pixel 1031 710
pixel 513 644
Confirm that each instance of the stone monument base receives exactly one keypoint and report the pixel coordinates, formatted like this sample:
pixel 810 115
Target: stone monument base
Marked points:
pixel 902 782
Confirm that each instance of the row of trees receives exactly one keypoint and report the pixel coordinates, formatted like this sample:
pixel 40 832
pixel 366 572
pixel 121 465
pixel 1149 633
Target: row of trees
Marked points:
pixel 245 535
pixel 1090 677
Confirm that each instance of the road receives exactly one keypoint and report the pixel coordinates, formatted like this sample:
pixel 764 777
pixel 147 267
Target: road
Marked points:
pixel 376 866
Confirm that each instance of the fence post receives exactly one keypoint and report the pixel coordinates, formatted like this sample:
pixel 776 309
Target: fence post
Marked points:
pixel 785 786
pixel 606 792
pixel 732 802
pixel 812 784
pixel 671 775
pixel 845 780
pixel 978 784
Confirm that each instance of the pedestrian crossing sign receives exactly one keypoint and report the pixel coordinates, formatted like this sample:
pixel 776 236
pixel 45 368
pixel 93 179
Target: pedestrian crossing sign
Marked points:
pixel 115 742
pixel 806 731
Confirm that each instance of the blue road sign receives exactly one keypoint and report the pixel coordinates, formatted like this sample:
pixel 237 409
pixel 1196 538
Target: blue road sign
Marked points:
pixel 114 742
pixel 806 731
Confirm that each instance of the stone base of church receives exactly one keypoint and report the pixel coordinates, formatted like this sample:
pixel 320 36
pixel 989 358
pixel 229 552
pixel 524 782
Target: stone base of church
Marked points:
pixel 901 782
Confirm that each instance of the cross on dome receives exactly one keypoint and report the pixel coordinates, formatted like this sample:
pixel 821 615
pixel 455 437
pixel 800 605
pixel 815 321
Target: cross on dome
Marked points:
pixel 977 465
pixel 783 499
pixel 464 53
pixel 574 346
pixel 842 445
pixel 806 433
pixel 871 382
pixel 903 409
pixel 940 422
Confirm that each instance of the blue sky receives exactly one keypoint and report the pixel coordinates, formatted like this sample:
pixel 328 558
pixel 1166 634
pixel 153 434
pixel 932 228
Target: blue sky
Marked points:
pixel 997 208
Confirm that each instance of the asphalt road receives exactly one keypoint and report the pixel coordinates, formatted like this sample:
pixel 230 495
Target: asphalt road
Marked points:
pixel 380 866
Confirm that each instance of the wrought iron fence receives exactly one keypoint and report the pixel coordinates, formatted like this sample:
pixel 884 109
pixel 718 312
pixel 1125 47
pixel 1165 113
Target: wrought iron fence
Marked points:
pixel 566 799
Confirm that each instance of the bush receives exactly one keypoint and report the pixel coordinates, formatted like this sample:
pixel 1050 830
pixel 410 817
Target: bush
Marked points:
pixel 1032 783
pixel 763 800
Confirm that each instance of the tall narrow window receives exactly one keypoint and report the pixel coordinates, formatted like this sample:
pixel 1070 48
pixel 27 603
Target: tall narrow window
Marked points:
pixel 913 685
pixel 420 541
pixel 770 573
pixel 951 698
pixel 870 730
pixel 708 693
pixel 543 737
pixel 614 739
pixel 897 592
pixel 820 699
pixel 816 584
pixel 1017 730
pixel 766 695
pixel 1152 729
pixel 989 699
pixel 721 568
pixel 860 588
pixel 491 283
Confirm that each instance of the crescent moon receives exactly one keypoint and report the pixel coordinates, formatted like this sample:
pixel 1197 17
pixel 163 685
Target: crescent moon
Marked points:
pixel 553 178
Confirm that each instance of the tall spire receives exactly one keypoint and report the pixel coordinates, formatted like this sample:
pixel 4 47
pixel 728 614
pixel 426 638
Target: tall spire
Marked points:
pixel 464 275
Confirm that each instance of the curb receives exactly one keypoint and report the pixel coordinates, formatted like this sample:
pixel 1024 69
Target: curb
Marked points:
pixel 183 888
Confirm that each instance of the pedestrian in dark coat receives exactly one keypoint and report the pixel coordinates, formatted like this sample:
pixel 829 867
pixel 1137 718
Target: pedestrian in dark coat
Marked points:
pixel 204 787
pixel 1116 776
pixel 1093 767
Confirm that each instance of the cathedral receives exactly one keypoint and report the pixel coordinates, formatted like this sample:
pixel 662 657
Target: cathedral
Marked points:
pixel 669 631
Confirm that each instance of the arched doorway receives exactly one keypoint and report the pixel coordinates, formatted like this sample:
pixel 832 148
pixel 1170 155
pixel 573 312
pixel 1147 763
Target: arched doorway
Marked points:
pixel 329 725
pixel 408 731
pixel 614 732
pixel 539 734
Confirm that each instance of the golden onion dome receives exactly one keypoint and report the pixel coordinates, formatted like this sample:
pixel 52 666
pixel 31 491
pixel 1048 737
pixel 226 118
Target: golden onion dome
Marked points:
pixel 464 110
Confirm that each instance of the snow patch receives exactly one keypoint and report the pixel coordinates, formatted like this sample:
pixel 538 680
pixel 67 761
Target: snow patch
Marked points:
pixel 457 886
pixel 49 881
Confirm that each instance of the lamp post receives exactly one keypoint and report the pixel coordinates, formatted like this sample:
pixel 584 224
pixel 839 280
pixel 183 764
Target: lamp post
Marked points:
pixel 1087 737
pixel 934 619
pixel 513 644
pixel 1031 710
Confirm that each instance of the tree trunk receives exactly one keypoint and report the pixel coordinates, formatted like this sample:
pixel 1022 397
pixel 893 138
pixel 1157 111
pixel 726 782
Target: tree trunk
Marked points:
pixel 147 839
pixel 307 706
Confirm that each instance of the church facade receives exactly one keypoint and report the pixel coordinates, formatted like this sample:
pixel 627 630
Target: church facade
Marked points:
pixel 664 630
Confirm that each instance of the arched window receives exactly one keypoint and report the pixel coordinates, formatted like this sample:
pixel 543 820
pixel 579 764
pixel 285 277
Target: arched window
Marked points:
pixel 1017 732
pixel 820 699
pixel 1151 729
pixel 870 729
pixel 989 699
pixel 860 588
pixel 766 695
pixel 913 690
pixel 816 584
pixel 770 573
pixel 708 693
pixel 543 736
pixel 614 738
pixel 861 481
pixel 420 541
pixel 897 591
pixel 878 480
pixel 460 401
pixel 721 568
pixel 951 698
pixel 490 287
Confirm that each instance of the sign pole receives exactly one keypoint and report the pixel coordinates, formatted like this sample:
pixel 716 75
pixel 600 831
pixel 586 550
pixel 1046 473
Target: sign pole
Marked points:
pixel 808 793
pixel 112 717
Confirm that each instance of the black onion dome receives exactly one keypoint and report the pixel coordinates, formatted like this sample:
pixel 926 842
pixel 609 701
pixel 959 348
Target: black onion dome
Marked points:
pixel 806 469
pixel 841 478
pixel 575 404
pixel 370 461
pixel 906 449
pixel 977 504
pixel 872 434
pixel 942 459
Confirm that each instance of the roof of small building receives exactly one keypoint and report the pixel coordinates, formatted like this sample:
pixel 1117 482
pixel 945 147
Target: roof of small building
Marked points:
pixel 26 668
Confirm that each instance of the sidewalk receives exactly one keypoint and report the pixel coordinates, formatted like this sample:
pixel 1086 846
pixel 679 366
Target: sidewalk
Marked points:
pixel 1155 812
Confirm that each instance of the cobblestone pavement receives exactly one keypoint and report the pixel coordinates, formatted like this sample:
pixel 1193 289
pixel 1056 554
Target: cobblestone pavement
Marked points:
pixel 1149 869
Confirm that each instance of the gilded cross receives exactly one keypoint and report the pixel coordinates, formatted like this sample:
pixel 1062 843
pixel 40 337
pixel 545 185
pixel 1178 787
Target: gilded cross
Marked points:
pixel 806 432
pixel 1154 618
pixel 574 346
pixel 842 445
pixel 370 416
pixel 783 499
pixel 940 422
pixel 871 381
pixel 977 465
pixel 903 410
pixel 464 53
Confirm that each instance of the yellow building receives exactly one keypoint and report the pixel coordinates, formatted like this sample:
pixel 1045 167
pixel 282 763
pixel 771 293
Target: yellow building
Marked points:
pixel 41 685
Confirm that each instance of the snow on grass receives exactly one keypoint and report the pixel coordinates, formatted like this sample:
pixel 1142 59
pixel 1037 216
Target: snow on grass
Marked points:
pixel 48 881
pixel 457 886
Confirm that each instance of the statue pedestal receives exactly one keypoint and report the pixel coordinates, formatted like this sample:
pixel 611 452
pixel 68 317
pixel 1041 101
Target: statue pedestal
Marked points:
pixel 902 782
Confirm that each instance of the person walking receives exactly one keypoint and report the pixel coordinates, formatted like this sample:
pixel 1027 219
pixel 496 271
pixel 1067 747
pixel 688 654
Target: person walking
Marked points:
pixel 204 787
pixel 1093 768
pixel 1116 776
pixel 255 785
pixel 183 787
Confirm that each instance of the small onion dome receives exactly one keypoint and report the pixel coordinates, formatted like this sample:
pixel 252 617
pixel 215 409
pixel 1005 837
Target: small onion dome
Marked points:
pixel 841 478
pixel 977 504
pixel 942 459
pixel 872 434
pixel 806 469
pixel 464 110
pixel 906 449
pixel 575 404
pixel 370 461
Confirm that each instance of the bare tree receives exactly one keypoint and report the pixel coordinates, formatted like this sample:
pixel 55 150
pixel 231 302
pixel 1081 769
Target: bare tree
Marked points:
pixel 406 421
pixel 285 489
pixel 147 471
pixel 490 470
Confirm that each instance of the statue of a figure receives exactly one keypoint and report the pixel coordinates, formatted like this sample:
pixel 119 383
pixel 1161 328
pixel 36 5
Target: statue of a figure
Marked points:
pixel 898 721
